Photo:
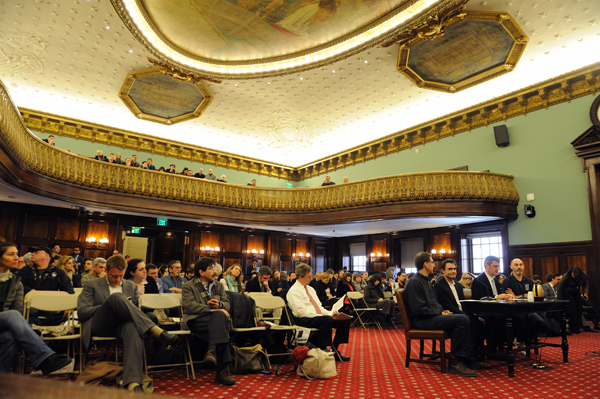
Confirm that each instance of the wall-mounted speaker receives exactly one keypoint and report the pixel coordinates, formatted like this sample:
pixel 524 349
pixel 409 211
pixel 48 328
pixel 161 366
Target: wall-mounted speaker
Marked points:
pixel 501 135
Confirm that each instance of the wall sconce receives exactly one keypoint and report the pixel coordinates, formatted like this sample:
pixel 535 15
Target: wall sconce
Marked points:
pixel 210 251
pixel 379 257
pixel 96 243
pixel 440 255
pixel 301 257
pixel 256 254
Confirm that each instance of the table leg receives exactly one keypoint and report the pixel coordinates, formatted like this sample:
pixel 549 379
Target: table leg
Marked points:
pixel 510 354
pixel 563 330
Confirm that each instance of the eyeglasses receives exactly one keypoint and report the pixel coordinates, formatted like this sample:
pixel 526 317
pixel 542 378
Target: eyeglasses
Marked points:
pixel 468 278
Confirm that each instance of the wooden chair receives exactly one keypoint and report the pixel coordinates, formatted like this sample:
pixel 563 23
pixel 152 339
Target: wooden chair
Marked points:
pixel 411 333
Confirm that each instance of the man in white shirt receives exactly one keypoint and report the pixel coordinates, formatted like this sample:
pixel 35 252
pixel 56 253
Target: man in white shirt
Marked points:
pixel 309 313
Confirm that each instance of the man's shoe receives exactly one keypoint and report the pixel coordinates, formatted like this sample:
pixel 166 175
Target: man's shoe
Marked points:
pixel 457 367
pixel 168 339
pixel 53 363
pixel 590 329
pixel 210 360
pixel 475 364
pixel 224 377
pixel 341 358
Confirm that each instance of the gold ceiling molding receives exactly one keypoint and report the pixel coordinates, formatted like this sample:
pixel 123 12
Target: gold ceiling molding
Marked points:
pixel 222 72
pixel 577 84
pixel 178 74
pixel 555 91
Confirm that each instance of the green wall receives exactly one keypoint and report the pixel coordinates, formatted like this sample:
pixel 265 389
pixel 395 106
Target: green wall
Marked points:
pixel 539 156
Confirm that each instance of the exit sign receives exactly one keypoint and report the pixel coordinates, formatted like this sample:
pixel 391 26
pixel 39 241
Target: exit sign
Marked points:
pixel 161 222
pixel 136 230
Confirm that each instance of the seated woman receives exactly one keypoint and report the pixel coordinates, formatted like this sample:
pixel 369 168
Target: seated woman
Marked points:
pixel 233 278
pixel 321 288
pixel 344 285
pixel 136 272
pixel 374 299
pixel 68 265
pixel 357 282
pixel 466 281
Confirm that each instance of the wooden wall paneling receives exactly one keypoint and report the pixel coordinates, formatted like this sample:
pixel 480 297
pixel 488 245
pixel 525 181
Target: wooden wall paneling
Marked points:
pixel 98 230
pixel 579 260
pixel 379 246
pixel 379 266
pixel 210 239
pixel 273 252
pixel 527 262
pixel 96 253
pixel 442 241
pixel 286 266
pixel 548 264
pixel 36 226
pixel 9 220
pixel 67 229
pixel 227 261
pixel 232 242
pixel 301 246
pixel 286 247
pixel 255 241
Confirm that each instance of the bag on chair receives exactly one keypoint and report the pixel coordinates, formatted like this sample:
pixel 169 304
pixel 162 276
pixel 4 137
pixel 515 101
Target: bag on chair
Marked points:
pixel 252 359
pixel 318 364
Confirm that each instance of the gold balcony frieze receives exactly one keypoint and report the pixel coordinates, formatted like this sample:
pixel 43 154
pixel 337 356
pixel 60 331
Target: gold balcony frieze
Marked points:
pixel 38 158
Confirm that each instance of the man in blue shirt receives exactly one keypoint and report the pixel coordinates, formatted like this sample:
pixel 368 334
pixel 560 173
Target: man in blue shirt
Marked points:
pixel 173 282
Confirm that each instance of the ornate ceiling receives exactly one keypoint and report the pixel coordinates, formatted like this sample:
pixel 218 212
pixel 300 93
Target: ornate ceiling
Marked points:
pixel 70 58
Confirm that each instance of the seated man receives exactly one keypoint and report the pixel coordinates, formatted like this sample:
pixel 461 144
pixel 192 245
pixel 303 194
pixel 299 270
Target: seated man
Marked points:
pixel 205 311
pixel 98 270
pixel 551 286
pixel 108 307
pixel 427 314
pixel 309 313
pixel 485 285
pixel 260 283
pixel 173 282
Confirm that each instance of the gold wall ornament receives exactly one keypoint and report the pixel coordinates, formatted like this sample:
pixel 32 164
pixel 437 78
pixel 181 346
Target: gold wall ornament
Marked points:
pixel 476 47
pixel 180 74
pixel 158 96
pixel 433 27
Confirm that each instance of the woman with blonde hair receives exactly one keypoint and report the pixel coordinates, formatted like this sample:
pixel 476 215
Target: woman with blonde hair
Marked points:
pixel 466 280
pixel 67 264
pixel 233 278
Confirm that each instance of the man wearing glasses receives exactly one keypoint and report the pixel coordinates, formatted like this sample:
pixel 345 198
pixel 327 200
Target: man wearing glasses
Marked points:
pixel 108 307
pixel 427 314
pixel 206 313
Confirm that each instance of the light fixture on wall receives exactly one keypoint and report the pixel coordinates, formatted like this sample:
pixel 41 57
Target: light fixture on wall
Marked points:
pixel 379 257
pixel 438 255
pixel 96 243
pixel 210 251
pixel 256 254
pixel 301 257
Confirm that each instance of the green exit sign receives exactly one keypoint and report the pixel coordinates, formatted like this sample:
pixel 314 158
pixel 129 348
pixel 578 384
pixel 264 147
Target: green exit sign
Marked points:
pixel 161 222
pixel 136 230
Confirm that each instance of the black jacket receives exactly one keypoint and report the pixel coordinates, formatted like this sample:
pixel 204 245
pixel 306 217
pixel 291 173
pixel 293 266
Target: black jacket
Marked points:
pixel 50 279
pixel 254 286
pixel 342 289
pixel 481 287
pixel 420 298
pixel 320 288
pixel 445 296
pixel 518 287
pixel 372 294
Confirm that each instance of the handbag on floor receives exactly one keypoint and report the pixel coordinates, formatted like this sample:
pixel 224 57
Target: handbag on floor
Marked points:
pixel 248 360
pixel 318 364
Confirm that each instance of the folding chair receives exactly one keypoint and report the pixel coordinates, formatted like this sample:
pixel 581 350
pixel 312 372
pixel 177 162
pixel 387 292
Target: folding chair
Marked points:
pixel 169 301
pixel 52 302
pixel 275 305
pixel 275 315
pixel 411 333
pixel 360 311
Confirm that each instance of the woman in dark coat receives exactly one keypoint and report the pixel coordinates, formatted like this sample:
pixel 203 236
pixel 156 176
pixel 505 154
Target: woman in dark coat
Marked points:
pixel 344 285
pixel 574 287
pixel 374 299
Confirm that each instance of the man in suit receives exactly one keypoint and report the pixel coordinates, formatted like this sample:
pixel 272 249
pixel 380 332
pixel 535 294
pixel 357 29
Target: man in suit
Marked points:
pixel 551 286
pixel 205 312
pixel 485 285
pixel 260 283
pixel 108 307
pixel 449 295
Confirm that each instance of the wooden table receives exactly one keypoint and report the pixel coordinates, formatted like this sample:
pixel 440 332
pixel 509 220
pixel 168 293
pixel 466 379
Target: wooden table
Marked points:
pixel 511 308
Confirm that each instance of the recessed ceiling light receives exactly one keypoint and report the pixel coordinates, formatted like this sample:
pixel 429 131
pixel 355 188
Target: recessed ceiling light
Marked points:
pixel 268 83
pixel 333 71
pixel 366 61
pixel 300 77
pixel 107 27
pixel 131 51
pixel 236 84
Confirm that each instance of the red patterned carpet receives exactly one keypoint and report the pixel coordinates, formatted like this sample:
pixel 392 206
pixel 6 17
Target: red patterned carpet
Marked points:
pixel 377 371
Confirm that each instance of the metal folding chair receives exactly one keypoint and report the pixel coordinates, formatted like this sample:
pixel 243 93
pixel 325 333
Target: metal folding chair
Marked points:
pixel 362 311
